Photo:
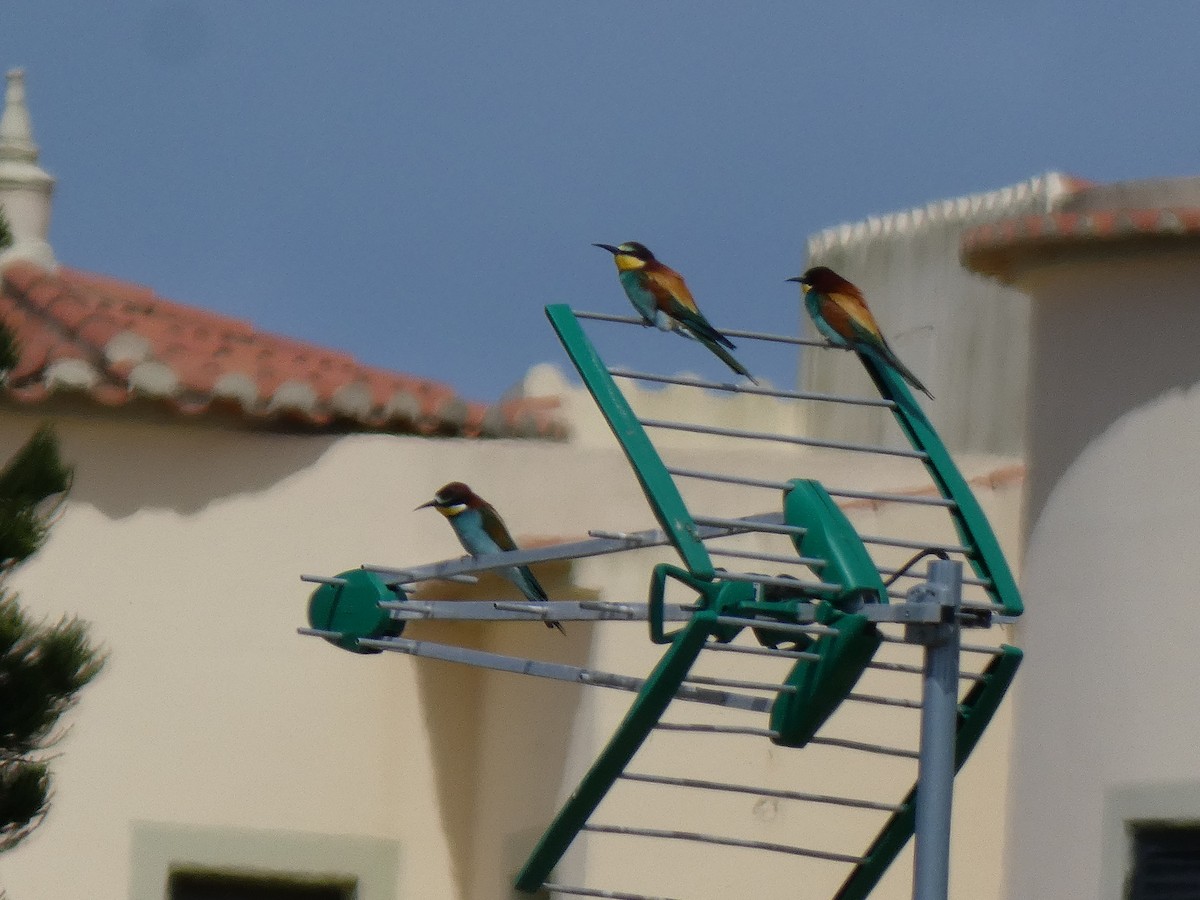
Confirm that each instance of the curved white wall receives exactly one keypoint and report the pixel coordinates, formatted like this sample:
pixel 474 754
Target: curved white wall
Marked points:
pixel 1106 700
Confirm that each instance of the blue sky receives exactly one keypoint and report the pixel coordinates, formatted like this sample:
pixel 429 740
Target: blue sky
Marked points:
pixel 413 182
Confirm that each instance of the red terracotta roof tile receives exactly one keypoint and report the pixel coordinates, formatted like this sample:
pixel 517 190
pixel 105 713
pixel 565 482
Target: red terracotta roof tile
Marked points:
pixel 989 249
pixel 1092 214
pixel 118 341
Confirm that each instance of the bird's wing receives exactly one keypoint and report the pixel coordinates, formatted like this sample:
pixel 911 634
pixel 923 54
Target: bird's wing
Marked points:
pixel 495 527
pixel 849 316
pixel 669 289
pixel 673 297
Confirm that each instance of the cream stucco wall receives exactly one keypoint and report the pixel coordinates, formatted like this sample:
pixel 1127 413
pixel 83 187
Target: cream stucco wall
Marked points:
pixel 964 336
pixel 217 733
pixel 1105 726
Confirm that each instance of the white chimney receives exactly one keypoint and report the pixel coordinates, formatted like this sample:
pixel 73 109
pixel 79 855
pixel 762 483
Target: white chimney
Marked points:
pixel 25 187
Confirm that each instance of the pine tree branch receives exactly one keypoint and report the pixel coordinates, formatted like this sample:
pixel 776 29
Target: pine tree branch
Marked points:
pixel 34 475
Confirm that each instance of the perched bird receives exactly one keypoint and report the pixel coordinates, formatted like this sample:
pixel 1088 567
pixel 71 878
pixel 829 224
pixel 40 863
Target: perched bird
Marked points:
pixel 481 531
pixel 840 313
pixel 662 298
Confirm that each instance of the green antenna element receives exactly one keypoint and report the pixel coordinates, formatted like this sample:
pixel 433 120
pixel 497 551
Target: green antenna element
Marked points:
pixel 660 490
pixel 813 627
pixel 652 701
pixel 727 597
pixel 830 626
pixel 975 712
pixel 974 530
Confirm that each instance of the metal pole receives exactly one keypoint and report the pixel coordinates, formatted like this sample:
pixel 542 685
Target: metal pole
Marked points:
pixel 939 724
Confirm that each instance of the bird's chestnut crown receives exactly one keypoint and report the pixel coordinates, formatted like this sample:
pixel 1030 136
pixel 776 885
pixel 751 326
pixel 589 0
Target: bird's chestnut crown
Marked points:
pixel 636 250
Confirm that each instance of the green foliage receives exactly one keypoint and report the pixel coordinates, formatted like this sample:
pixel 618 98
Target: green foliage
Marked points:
pixel 8 345
pixel 33 476
pixel 42 666
pixel 9 354
pixel 42 669
pixel 24 789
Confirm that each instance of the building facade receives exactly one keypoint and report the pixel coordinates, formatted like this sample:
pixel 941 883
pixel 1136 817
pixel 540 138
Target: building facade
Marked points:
pixel 1103 749
pixel 216 463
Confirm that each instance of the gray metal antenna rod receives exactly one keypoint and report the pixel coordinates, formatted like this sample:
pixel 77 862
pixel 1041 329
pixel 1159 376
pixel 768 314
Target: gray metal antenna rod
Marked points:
pixel 710 527
pixel 939 721
pixel 908 613
pixel 844 493
pixel 556 888
pixel 750 335
pixel 521 665
pixel 734 388
pixel 780 438
pixel 577 550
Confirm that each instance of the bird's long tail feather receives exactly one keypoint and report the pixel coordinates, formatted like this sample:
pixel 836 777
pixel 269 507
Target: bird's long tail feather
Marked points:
pixel 728 358
pixel 889 358
pixel 523 577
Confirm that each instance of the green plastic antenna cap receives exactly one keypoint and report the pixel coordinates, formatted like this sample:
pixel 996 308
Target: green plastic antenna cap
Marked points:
pixel 353 610
pixel 822 684
pixel 831 537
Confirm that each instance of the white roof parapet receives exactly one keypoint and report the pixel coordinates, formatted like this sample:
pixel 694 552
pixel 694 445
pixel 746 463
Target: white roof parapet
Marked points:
pixel 71 374
pixel 154 379
pixel 127 346
pixel 1037 195
pixel 402 405
pixel 238 387
pixel 293 395
pixel 352 401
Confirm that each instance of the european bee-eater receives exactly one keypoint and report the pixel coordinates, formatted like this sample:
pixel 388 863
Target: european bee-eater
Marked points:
pixel 481 531
pixel 840 313
pixel 662 298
